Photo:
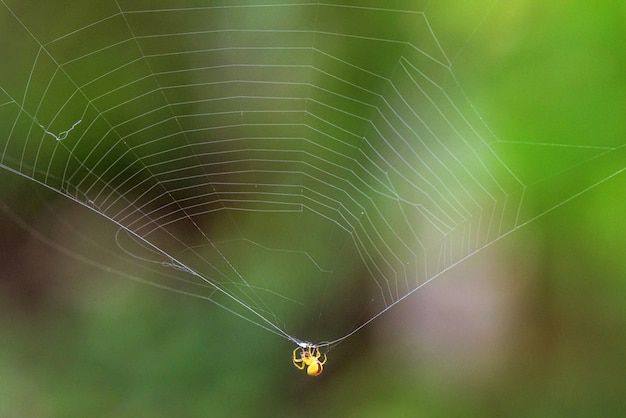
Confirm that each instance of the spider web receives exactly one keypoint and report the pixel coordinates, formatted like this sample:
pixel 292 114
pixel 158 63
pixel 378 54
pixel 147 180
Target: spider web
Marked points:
pixel 273 158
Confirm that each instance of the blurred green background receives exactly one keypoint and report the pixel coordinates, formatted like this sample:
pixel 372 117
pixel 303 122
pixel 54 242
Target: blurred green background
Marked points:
pixel 532 326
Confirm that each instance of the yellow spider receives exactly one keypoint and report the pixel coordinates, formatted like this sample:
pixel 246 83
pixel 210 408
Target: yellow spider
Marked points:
pixel 309 358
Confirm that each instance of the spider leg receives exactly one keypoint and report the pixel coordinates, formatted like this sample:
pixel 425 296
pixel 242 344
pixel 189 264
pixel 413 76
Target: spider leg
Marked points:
pixel 298 362
pixel 323 361
pixel 317 354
